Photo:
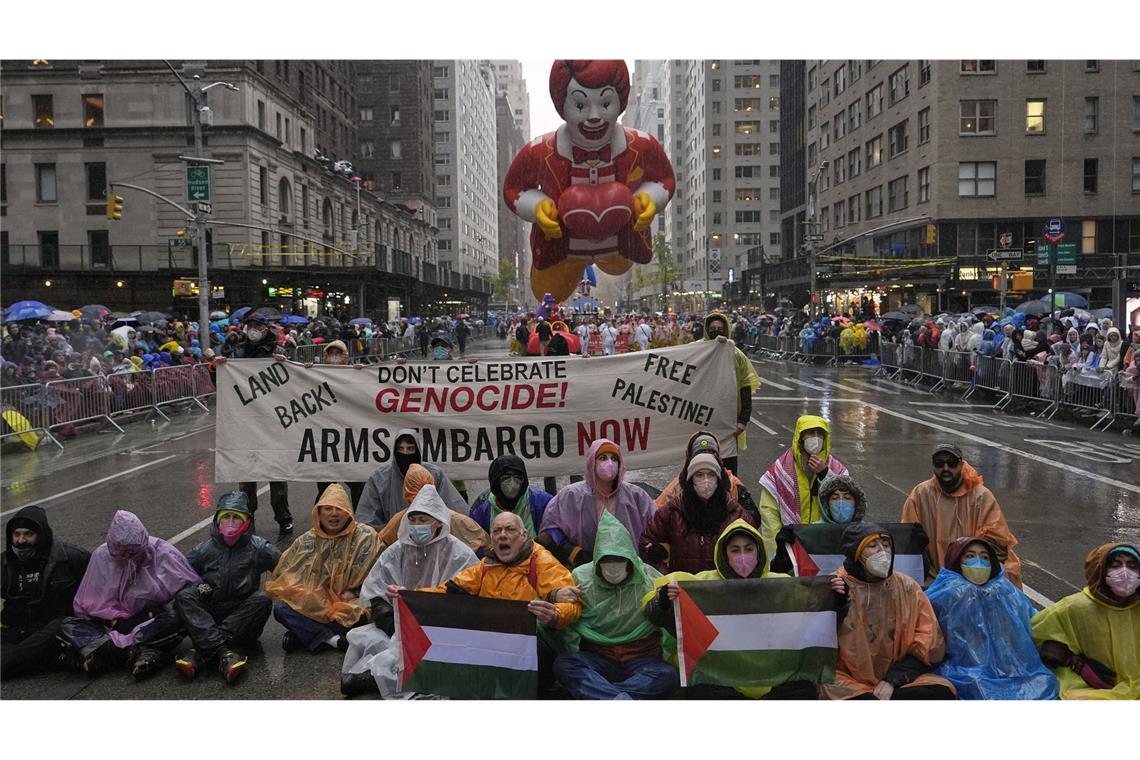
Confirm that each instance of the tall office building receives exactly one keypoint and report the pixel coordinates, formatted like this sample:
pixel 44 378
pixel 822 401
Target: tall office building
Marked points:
pixel 509 81
pixel 514 233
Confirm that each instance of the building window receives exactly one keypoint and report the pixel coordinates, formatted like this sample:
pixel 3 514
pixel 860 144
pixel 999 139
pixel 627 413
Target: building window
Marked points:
pixel 49 249
pixel 774 171
pixel 840 80
pixel 393 83
pixel 976 117
pixel 978 67
pixel 774 103
pixel 1135 175
pixel 1035 67
pixel 854 163
pixel 441 115
pixel 443 180
pixel 874 101
pixel 840 209
pixel 715 107
pixel 44 114
pixel 774 127
pixel 900 84
pixel 774 238
pixel 1136 113
pixel 840 125
pixel 923 73
pixel 742 172
pixel 924 184
pixel 824 135
pixel 774 149
pixel 773 193
pixel 748 80
pixel 263 184
pixel 46 191
pixel 716 84
pixel 853 209
pixel 811 117
pixel 747 104
pixel 774 81
pixel 397 182
pixel 854 115
pixel 742 128
pixel 1090 175
pixel 874 151
pixel 261 115
pixel 366 114
pixel 396 150
pixel 96 181
pixel 874 203
pixel 839 170
pixel 897 139
pixel 743 149
pixel 716 196
pixel 1035 116
pixel 1092 112
pixel 278 125
pixel 100 244
pixel 977 178
pixel 93 110
pixel 924 126
pixel 1088 236
pixel 898 196
pixel 367 149
pixel 394 115
pixel 748 217
pixel 1092 66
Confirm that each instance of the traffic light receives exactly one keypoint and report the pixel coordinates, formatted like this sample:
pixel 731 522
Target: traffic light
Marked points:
pixel 114 207
pixel 931 234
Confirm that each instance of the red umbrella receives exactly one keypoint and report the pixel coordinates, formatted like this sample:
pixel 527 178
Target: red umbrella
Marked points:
pixel 872 326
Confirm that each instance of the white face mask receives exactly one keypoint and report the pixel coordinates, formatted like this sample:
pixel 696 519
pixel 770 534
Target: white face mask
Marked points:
pixel 255 333
pixel 511 487
pixel 878 565
pixel 813 445
pixel 614 571
pixel 1122 581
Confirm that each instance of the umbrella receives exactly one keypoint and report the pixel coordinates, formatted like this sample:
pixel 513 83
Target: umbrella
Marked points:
pixel 985 310
pixel 842 319
pixel 237 315
pixel 59 316
pixel 122 332
pixel 1036 308
pixel 414 321
pixel 1102 314
pixel 268 313
pixel 123 321
pixel 360 321
pixel 441 339
pixel 912 308
pixel 871 326
pixel 294 319
pixel 219 315
pixel 1084 316
pixel 463 316
pixel 895 316
pixel 22 310
pixel 150 317
pixel 1064 299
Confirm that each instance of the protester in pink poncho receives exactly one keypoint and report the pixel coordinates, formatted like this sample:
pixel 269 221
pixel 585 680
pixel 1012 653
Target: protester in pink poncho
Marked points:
pixel 570 522
pixel 123 606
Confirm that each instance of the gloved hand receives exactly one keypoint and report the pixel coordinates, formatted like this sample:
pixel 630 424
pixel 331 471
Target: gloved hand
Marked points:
pixel 663 598
pixel 644 209
pixel 580 556
pixel 546 217
pixel 656 553
pixel 1095 674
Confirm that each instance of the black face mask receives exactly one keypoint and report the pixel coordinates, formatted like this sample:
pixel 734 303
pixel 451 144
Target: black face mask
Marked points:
pixel 404 461
pixel 25 552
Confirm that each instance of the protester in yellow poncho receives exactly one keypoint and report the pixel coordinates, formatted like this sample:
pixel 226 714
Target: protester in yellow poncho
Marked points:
pixel 317 582
pixel 853 339
pixel 1092 639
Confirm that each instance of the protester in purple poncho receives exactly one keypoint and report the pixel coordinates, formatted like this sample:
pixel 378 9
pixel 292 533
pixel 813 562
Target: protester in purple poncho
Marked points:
pixel 570 522
pixel 123 607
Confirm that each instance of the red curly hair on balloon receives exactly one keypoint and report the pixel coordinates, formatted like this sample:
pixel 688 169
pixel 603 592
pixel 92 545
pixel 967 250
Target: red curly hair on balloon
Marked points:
pixel 592 74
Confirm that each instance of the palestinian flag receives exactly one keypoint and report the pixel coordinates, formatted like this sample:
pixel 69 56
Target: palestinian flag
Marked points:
pixel 761 632
pixel 466 647
pixel 805 550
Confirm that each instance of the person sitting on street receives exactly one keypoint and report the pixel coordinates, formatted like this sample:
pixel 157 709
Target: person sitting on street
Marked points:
pixel 613 651
pixel 990 652
pixel 124 607
pixel 790 485
pixel 955 503
pixel 841 502
pixel 461 526
pixel 40 576
pixel 682 536
pixel 510 491
pixel 704 441
pixel 571 519
pixel 424 554
pixel 383 494
pixel 889 639
pixel 1090 639
pixel 227 611
pixel 317 581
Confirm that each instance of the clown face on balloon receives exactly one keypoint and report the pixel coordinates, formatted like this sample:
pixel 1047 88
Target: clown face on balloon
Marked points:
pixel 591 188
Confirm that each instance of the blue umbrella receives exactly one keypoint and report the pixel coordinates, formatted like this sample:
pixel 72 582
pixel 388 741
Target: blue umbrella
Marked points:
pixel 1102 314
pixel 1065 300
pixel 414 321
pixel 360 321
pixel 295 319
pixel 22 310
pixel 237 315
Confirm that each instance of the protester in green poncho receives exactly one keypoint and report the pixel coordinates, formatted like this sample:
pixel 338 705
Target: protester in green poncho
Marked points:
pixel 614 652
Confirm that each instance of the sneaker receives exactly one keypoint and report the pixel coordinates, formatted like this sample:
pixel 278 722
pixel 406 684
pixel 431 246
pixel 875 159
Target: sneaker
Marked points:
pixel 99 660
pixel 342 643
pixel 146 663
pixel 355 684
pixel 187 664
pixel 286 527
pixel 289 642
pixel 232 665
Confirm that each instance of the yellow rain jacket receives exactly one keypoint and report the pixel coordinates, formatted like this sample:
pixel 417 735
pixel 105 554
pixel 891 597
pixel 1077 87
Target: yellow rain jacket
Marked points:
pixel 1094 624
pixel 318 567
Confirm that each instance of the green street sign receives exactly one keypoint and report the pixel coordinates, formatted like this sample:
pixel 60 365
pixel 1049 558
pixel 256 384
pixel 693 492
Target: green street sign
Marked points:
pixel 198 183
pixel 183 242
pixel 1064 253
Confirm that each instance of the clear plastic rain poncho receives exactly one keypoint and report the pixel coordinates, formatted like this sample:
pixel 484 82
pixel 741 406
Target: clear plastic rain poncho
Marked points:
pixel 411 566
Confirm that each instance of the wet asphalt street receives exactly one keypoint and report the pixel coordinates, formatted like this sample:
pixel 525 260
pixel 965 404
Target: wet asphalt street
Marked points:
pixel 1063 490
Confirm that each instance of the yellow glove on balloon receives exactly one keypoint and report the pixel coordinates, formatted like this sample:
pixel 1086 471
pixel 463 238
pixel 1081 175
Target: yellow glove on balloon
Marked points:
pixel 645 210
pixel 546 217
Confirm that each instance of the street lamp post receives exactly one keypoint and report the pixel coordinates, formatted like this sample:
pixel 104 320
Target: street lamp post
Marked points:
pixel 813 183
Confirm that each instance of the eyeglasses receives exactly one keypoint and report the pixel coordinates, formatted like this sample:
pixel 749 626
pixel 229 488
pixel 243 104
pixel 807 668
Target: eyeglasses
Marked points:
pixel 940 462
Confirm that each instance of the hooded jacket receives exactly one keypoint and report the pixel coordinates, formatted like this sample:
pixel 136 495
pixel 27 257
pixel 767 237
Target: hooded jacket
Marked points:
pixel 747 383
pixel 736 488
pixel 41 589
pixel 790 492
pixel 318 567
pixel 529 506
pixel 969 510
pixel 461 526
pixel 235 571
pixel 990 652
pixel 889 632
pixel 847 483
pixel 571 517
pixel 1096 625
pixel 383 494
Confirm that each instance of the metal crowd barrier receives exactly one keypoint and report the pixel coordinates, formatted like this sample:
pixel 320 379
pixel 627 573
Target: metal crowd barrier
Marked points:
pixel 931 366
pixel 861 355
pixel 81 399
pixel 1091 391
pixel 1033 382
pixel 890 360
pixel 172 385
pixel 203 381
pixel 992 375
pixel 956 369
pixel 26 409
pixel 1126 397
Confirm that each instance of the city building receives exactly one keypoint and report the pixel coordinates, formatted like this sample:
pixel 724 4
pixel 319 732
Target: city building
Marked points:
pixel 286 226
pixel 509 81
pixel 919 175
pixel 514 233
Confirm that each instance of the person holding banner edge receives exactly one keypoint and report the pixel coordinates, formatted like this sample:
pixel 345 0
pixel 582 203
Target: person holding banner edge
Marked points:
pixel 747 383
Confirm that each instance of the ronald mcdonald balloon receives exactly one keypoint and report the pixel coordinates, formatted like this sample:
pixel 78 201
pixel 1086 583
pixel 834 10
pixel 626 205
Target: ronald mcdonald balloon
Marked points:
pixel 591 188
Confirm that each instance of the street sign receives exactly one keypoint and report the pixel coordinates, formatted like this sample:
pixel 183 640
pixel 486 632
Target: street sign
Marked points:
pixel 1005 240
pixel 1065 254
pixel 180 243
pixel 1055 230
pixel 1066 269
pixel 198 183
pixel 714 254
pixel 205 207
pixel 815 238
pixel 1004 254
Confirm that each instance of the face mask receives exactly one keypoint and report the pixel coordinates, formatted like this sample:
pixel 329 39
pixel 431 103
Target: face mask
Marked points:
pixel 1123 582
pixel 607 470
pixel 842 511
pixel 511 487
pixel 976 571
pixel 705 487
pixel 420 534
pixel 404 461
pixel 254 333
pixel 439 352
pixel 813 445
pixel 24 552
pixel 614 572
pixel 743 564
pixel 878 565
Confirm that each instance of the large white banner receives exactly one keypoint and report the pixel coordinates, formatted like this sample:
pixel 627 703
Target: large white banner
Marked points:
pixel 281 421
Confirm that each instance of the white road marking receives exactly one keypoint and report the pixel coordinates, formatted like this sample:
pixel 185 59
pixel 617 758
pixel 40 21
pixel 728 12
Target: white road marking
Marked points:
pixel 809 385
pixel 891 485
pixel 199 525
pixel 765 381
pixel 763 427
pixel 170 440
pixel 843 387
pixel 878 381
pixel 93 483
pixel 1085 450
pixel 1031 563
pixel 1037 596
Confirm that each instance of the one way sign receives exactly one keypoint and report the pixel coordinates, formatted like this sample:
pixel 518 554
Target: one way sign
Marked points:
pixel 1004 254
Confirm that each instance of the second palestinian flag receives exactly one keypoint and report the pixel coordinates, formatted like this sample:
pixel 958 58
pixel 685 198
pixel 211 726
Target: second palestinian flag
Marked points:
pixel 756 632
pixel 466 647
pixel 818 549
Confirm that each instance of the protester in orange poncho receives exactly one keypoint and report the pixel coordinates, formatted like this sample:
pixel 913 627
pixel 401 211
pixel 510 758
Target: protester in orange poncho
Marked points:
pixel 889 636
pixel 316 584
pixel 955 503
pixel 462 527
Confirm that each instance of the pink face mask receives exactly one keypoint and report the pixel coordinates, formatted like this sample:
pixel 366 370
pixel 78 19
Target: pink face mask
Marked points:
pixel 231 533
pixel 607 470
pixel 743 564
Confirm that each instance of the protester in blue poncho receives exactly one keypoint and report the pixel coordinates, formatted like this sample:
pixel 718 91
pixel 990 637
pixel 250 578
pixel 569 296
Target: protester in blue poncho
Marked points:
pixel 990 652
